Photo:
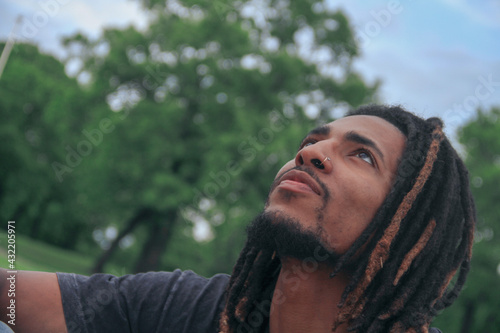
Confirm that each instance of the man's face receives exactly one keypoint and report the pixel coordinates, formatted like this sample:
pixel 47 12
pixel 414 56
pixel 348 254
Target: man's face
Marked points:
pixel 336 198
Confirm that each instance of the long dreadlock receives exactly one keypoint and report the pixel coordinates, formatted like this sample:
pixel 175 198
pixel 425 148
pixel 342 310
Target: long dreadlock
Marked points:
pixel 419 241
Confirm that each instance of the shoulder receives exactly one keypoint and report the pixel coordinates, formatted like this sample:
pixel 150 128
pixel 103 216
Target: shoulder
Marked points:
pixel 140 283
pixel 173 301
pixel 434 330
pixel 148 289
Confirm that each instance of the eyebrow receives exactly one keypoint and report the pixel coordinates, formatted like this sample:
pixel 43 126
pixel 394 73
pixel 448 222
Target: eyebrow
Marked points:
pixel 321 130
pixel 361 139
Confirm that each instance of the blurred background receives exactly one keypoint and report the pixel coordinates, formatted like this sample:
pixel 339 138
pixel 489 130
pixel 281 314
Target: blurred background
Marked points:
pixel 144 135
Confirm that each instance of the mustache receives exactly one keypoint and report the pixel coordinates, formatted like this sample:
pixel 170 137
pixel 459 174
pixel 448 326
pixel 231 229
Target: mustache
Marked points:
pixel 310 173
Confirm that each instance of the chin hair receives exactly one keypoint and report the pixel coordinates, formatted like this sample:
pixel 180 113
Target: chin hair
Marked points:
pixel 275 231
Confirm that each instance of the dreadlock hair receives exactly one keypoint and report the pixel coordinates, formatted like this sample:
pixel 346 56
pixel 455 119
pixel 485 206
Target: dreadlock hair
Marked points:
pixel 419 241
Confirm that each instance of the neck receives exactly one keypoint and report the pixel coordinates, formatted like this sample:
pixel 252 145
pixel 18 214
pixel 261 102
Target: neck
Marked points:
pixel 305 298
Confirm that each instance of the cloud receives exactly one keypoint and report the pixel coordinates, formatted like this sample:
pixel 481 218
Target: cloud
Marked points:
pixel 432 80
pixel 45 22
pixel 485 13
pixel 92 16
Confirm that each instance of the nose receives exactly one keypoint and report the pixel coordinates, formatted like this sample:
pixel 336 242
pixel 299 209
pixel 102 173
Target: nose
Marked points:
pixel 313 156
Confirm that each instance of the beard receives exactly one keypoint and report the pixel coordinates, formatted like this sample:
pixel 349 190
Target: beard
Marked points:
pixel 275 231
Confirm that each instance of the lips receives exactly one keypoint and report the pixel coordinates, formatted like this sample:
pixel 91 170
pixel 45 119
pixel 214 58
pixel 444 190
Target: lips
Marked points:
pixel 298 180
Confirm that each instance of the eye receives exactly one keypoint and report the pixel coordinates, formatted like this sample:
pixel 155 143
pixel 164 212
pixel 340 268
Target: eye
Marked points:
pixel 306 143
pixel 366 156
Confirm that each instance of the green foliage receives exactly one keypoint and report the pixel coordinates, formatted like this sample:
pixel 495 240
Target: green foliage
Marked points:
pixel 478 304
pixel 204 111
pixel 33 255
pixel 36 96
pixel 179 126
pixel 184 125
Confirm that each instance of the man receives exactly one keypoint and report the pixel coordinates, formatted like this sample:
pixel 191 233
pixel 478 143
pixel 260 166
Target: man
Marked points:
pixel 362 231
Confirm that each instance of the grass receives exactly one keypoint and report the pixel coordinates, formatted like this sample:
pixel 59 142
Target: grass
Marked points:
pixel 37 256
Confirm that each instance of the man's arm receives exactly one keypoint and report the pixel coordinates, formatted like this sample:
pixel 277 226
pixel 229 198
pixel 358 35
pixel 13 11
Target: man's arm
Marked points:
pixel 38 306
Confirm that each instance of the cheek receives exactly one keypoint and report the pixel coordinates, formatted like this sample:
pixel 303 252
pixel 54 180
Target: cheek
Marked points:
pixel 357 205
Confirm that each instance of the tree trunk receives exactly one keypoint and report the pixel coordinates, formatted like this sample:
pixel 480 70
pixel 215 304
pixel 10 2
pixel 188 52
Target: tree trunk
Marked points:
pixel 468 318
pixel 37 221
pixel 141 216
pixel 20 210
pixel 160 230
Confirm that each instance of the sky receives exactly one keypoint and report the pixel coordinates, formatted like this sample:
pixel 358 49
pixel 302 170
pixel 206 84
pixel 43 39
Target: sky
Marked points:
pixel 436 58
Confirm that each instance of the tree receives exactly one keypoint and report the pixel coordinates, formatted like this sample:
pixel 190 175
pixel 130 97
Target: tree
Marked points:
pixel 480 298
pixel 202 99
pixel 38 103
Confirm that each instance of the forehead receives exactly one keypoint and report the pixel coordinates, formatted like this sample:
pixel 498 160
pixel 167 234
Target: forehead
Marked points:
pixel 366 124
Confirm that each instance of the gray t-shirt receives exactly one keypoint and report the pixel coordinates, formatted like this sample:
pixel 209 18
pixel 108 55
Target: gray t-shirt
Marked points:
pixel 149 302
pixel 176 302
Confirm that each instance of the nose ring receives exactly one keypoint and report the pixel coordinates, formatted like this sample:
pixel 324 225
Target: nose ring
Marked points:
pixel 326 159
pixel 319 164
